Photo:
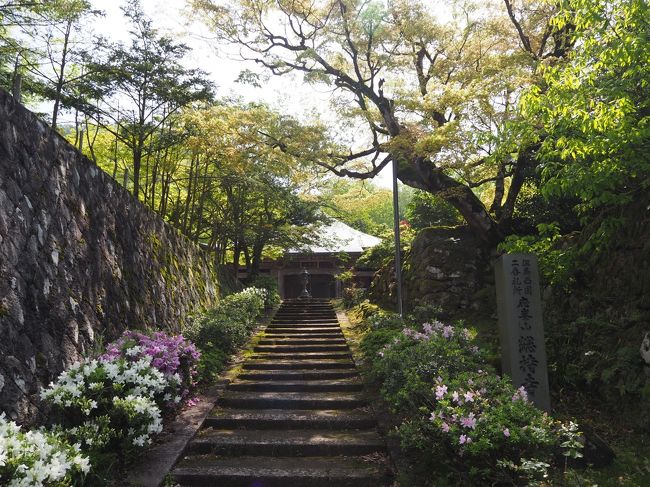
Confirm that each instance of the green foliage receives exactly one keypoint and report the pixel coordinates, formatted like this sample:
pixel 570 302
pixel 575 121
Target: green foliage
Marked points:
pixel 362 205
pixel 222 330
pixel 555 254
pixel 533 208
pixel 141 86
pixel 440 108
pixel 384 253
pixel 213 361
pixel 591 354
pixel 428 210
pixel 366 309
pixel 594 110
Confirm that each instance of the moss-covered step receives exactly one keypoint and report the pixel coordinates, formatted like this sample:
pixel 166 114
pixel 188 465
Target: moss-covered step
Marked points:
pixel 292 400
pixel 293 364
pixel 302 340
pixel 304 374
pixel 209 471
pixel 298 443
pixel 328 385
pixel 283 419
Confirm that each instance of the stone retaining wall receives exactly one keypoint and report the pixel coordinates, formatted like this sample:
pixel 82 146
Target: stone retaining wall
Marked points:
pixel 445 267
pixel 80 260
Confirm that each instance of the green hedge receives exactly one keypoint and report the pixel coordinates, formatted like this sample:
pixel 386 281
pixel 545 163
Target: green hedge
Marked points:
pixel 221 331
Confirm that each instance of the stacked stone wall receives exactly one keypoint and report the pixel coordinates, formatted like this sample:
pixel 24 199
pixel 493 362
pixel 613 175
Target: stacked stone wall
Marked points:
pixel 444 267
pixel 80 261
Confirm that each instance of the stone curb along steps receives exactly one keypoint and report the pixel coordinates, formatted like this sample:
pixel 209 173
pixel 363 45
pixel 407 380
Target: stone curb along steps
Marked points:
pixel 295 416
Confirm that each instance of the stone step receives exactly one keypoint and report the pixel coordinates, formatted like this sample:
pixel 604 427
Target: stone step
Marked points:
pixel 338 385
pixel 326 419
pixel 297 330
pixel 210 471
pixel 292 364
pixel 308 310
pixel 302 341
pixel 292 400
pixel 302 356
pixel 333 329
pixel 300 348
pixel 305 325
pixel 305 314
pixel 299 336
pixel 306 374
pixel 299 443
pixel 308 316
pixel 305 320
pixel 299 395
pixel 300 316
pixel 305 311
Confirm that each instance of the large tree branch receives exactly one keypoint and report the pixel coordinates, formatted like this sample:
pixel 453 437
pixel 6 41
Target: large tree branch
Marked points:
pixel 520 31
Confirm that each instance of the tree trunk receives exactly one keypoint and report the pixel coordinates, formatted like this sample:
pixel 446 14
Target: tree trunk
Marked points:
pixel 189 197
pixel 61 78
pixel 256 262
pixel 137 162
pixel 422 174
pixel 247 258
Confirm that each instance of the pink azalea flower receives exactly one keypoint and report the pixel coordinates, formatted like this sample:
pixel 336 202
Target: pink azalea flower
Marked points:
pixel 469 421
pixel 469 396
pixel 445 427
pixel 506 432
pixel 441 391
pixel 462 439
pixel 432 417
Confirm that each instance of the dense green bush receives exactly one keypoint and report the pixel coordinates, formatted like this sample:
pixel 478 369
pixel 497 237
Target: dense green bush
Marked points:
pixel 222 330
pixel 457 417
pixel 600 357
pixel 428 210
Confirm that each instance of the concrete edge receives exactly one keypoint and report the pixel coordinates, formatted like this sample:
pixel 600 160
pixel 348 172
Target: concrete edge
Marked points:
pixel 153 467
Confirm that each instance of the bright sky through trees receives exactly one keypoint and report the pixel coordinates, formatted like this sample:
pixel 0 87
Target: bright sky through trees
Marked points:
pixel 286 93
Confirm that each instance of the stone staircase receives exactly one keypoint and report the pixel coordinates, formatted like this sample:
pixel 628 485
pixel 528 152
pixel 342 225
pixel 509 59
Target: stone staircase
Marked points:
pixel 295 416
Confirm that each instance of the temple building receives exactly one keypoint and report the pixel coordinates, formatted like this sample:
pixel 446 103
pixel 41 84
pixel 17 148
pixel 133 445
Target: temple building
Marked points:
pixel 338 248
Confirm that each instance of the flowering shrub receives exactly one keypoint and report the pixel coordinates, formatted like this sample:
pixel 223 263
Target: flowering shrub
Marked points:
pixel 36 458
pixel 174 356
pixel 270 286
pixel 456 413
pixel 409 362
pixel 110 403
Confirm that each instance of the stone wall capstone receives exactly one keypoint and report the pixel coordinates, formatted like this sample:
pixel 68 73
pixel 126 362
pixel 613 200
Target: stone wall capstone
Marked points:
pixel 80 261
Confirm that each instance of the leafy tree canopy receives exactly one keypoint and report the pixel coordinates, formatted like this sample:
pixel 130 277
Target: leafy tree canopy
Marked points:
pixel 434 96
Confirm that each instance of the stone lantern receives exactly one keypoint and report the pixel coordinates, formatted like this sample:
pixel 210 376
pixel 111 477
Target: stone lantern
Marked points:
pixel 304 276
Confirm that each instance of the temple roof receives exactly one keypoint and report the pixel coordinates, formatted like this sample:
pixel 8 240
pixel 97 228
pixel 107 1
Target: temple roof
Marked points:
pixel 338 237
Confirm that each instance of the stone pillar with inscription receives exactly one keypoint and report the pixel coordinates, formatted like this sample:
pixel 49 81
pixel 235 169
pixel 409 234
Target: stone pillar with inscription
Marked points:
pixel 521 331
